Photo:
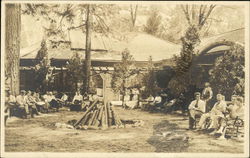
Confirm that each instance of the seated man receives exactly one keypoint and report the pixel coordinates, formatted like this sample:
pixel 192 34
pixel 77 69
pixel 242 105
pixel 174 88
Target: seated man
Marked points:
pixel 150 98
pixel 218 109
pixel 47 99
pixel 30 101
pixel 196 108
pixel 11 101
pixel 76 102
pixel 150 102
pixel 215 118
pixel 64 99
pixel 20 99
pixel 53 103
pixel 236 110
pixel 158 100
pixel 39 103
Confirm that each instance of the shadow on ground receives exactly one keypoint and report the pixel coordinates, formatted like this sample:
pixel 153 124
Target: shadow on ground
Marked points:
pixel 168 137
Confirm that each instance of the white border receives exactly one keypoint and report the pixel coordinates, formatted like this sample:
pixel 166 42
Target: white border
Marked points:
pixel 142 155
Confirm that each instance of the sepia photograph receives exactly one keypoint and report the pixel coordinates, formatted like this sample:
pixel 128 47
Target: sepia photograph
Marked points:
pixel 124 79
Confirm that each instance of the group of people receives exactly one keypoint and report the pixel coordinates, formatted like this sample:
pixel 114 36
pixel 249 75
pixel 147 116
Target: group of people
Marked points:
pixel 131 98
pixel 221 113
pixel 82 102
pixel 31 103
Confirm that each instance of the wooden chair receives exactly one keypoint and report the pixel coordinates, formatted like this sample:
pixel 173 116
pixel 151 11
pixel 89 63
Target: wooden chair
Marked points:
pixel 233 127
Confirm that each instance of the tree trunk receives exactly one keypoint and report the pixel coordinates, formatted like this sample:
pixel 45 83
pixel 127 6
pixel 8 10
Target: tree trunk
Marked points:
pixel 12 47
pixel 123 92
pixel 133 13
pixel 88 49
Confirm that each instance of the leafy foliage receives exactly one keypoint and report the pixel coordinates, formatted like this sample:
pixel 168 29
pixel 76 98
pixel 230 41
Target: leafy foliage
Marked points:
pixel 181 80
pixel 227 75
pixel 123 71
pixel 43 52
pixel 189 41
pixel 42 69
pixel 75 73
pixel 153 23
pixel 149 80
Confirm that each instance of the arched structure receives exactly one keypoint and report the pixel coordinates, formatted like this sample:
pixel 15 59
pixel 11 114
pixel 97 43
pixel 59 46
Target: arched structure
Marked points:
pixel 210 49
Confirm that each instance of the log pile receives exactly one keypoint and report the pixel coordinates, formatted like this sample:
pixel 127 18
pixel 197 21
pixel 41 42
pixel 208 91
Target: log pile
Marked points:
pixel 99 116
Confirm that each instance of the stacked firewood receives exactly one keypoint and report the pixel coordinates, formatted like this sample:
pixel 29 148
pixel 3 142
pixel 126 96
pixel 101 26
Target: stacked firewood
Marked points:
pixel 99 116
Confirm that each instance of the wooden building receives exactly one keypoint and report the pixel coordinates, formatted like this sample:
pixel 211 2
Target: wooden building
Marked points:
pixel 106 52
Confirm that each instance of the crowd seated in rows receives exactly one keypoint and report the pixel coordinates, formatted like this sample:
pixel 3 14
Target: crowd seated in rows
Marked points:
pixel 32 103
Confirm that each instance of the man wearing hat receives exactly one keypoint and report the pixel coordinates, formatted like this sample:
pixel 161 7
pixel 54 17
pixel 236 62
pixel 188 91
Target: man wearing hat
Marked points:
pixel 207 95
pixel 196 108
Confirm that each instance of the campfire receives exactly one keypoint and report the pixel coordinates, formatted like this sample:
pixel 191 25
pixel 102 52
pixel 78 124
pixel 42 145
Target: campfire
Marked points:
pixel 98 116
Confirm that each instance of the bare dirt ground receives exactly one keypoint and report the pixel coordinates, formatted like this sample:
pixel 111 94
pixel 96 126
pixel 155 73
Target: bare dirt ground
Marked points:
pixel 40 134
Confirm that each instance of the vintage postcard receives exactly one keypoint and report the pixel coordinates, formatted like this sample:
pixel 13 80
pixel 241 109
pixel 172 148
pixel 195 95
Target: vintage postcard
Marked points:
pixel 124 79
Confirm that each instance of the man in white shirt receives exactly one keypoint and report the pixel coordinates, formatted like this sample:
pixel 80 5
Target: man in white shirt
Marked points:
pixel 64 98
pixel 218 109
pixel 20 99
pixel 196 108
pixel 11 104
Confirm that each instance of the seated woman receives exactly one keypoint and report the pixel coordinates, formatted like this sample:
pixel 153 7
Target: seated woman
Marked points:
pixel 236 111
pixel 39 102
pixel 47 98
pixel 64 99
pixel 76 102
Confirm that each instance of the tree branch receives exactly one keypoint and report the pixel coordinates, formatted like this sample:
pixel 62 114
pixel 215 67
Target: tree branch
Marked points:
pixel 75 27
pixel 186 14
pixel 207 15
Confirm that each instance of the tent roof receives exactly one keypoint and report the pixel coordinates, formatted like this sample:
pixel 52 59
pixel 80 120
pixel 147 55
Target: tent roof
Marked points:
pixel 141 46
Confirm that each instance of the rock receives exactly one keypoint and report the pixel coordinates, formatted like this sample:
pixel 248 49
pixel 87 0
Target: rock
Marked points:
pixel 164 134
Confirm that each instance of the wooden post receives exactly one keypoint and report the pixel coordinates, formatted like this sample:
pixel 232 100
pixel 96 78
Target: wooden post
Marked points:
pixel 106 116
pixel 88 48
pixel 109 114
